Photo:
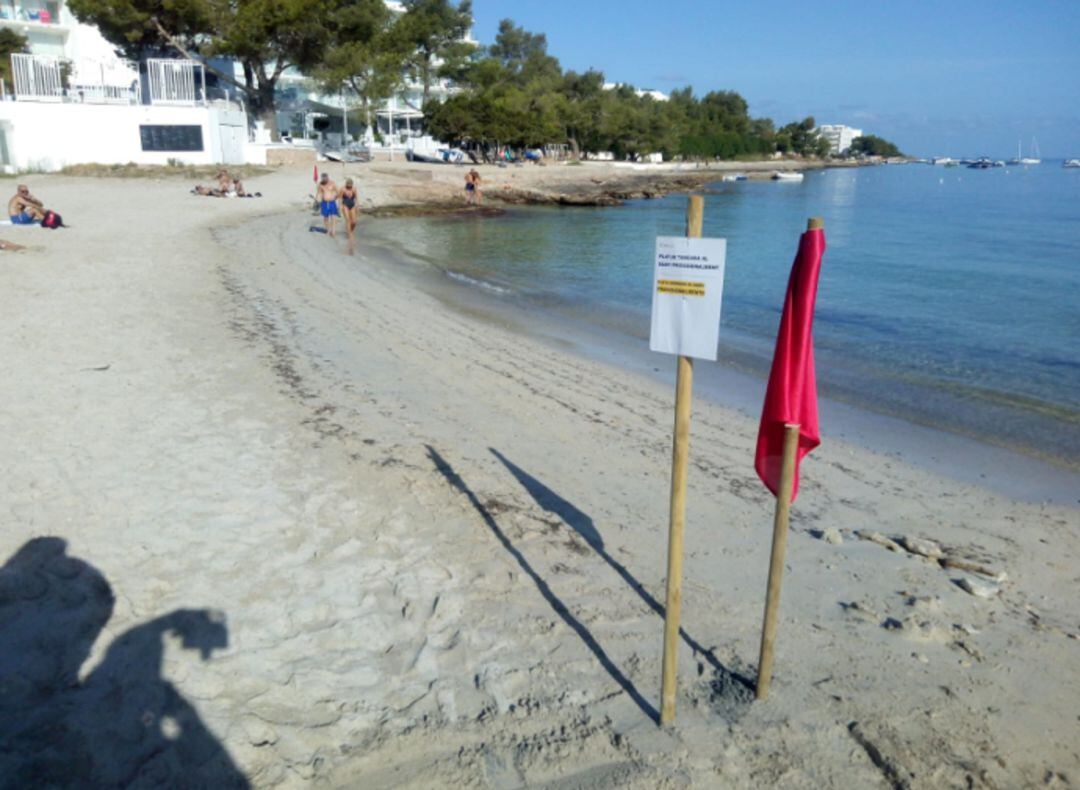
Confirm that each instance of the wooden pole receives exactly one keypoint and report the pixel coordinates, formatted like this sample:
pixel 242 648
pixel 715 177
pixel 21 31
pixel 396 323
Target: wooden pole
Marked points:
pixel 776 560
pixel 779 541
pixel 684 384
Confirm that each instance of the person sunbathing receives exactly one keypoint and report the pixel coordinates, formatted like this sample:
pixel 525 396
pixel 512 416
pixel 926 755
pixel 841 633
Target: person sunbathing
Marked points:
pixel 24 208
pixel 199 189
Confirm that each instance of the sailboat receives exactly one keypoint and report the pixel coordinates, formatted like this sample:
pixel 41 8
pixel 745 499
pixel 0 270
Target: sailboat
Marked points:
pixel 1027 160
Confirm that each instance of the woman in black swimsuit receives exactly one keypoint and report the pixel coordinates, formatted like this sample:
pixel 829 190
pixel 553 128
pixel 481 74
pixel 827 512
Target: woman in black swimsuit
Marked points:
pixel 350 211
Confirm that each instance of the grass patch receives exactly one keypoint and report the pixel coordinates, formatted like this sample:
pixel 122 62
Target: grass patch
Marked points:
pixel 176 170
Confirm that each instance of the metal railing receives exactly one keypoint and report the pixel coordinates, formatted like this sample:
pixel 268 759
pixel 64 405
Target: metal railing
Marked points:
pixel 41 78
pixel 37 77
pixel 104 94
pixel 173 81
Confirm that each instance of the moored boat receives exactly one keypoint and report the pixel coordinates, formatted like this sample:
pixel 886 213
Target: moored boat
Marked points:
pixel 1072 163
pixel 780 175
pixel 1027 160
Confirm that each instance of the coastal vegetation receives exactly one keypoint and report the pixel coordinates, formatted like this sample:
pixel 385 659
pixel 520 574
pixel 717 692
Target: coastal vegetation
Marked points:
pixel 515 93
pixel 872 145
pixel 512 93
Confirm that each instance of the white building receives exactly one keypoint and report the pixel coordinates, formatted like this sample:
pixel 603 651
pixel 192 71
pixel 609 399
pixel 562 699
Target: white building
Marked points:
pixel 73 101
pixel 839 136
pixel 396 120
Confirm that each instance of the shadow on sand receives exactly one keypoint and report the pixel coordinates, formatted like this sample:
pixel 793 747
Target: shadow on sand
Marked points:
pixel 123 724
pixel 556 603
pixel 726 683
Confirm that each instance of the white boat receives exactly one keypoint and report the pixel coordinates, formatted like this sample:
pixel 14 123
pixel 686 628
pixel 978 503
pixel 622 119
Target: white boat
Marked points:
pixel 1027 160
pixel 1072 163
pixel 734 177
pixel 943 160
pixel 782 176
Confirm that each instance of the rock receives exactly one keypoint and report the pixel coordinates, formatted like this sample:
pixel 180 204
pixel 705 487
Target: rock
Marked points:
pixel 878 538
pixel 977 588
pixel 964 565
pixel 832 535
pixel 921 658
pixel 921 546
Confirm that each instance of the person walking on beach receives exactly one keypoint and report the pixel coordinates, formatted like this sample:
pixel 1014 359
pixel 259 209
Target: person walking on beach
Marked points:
pixel 328 195
pixel 351 211
pixel 24 208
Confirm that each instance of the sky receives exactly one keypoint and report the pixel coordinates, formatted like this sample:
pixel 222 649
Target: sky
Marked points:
pixel 946 78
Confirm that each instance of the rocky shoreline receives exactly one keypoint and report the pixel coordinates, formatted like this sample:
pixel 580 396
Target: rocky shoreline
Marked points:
pixel 561 185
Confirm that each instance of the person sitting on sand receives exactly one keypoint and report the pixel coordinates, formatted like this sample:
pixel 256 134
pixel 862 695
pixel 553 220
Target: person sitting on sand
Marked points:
pixel 350 210
pixel 238 188
pixel 328 195
pixel 24 208
pixel 224 182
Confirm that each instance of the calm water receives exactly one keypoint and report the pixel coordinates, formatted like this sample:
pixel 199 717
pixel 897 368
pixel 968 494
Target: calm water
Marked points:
pixel 948 296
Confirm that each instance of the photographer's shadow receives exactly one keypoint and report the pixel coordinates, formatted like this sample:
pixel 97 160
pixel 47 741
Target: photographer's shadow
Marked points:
pixel 124 724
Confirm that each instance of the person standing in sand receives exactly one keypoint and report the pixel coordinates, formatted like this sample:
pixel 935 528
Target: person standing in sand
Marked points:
pixel 351 211
pixel 470 188
pixel 477 195
pixel 328 195
pixel 24 208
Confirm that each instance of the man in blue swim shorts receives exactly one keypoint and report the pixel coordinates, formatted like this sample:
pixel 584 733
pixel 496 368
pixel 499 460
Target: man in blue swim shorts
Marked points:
pixel 328 195
pixel 24 208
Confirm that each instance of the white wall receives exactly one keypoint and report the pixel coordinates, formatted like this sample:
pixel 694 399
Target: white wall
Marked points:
pixel 48 136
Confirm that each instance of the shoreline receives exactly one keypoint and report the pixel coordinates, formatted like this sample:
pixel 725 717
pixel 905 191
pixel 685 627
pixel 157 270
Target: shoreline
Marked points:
pixel 586 184
pixel 966 457
pixel 434 548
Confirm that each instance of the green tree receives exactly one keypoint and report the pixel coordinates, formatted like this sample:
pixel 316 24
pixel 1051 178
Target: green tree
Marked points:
pixel 801 138
pixel 434 29
pixel 368 56
pixel 265 36
pixel 10 44
pixel 872 145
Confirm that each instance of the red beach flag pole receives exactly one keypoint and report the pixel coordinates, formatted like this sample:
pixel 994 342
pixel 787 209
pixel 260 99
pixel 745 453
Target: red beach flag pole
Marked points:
pixel 789 420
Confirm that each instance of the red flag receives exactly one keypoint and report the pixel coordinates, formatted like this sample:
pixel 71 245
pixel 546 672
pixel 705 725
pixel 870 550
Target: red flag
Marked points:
pixel 315 178
pixel 791 397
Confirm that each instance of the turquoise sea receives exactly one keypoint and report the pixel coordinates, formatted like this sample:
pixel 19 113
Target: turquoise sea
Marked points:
pixel 948 297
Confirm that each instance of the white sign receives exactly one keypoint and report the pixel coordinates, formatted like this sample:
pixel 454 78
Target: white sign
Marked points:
pixel 688 282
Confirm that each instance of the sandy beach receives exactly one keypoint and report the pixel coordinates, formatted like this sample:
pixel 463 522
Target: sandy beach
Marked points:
pixel 280 517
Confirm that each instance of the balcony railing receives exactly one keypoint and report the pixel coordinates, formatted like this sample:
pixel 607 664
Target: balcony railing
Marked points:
pixel 45 78
pixel 176 81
